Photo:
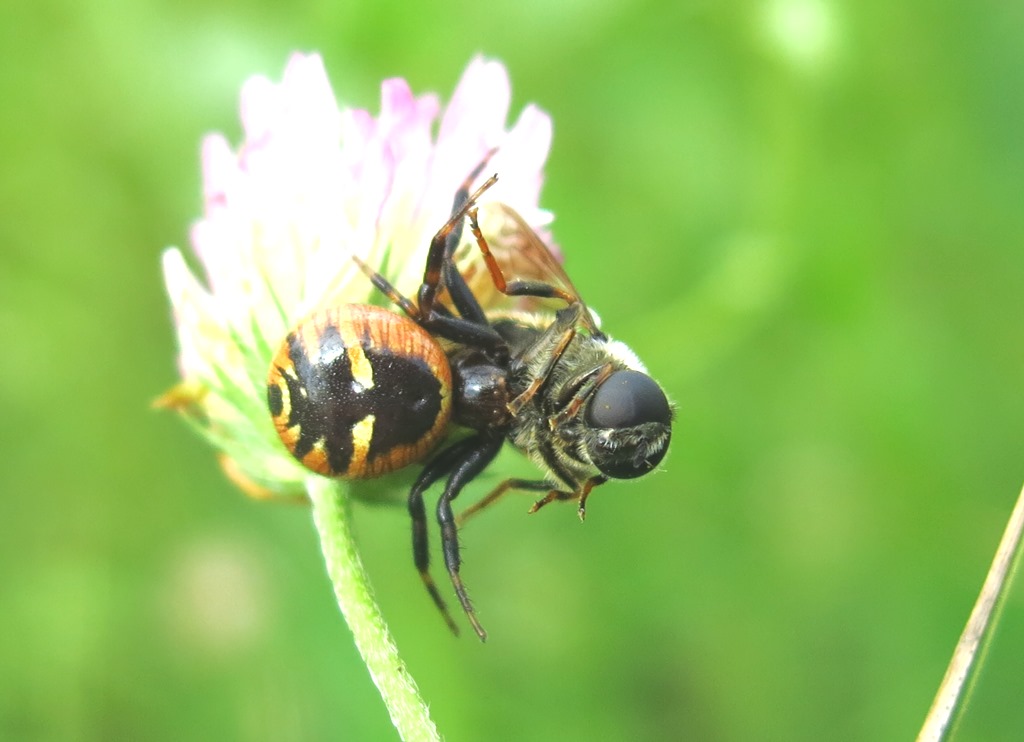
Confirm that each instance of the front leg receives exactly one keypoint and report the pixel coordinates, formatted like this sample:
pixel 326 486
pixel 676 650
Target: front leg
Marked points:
pixel 581 494
pixel 552 343
pixel 437 252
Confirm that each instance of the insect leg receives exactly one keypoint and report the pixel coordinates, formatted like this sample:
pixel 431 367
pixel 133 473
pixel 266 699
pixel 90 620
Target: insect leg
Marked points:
pixel 553 342
pixel 581 495
pixel 448 238
pixel 466 304
pixel 461 295
pixel 388 289
pixel 516 287
pixel 461 197
pixel 475 458
pixel 437 468
pixel 438 248
pixel 499 491
pixel 596 377
pixel 539 289
pixel 465 332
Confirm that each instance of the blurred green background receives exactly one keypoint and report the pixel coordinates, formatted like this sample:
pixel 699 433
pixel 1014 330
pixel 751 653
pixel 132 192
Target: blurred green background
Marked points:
pixel 805 216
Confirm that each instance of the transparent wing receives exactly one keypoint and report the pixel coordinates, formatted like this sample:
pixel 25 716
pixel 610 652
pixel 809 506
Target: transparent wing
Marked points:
pixel 522 258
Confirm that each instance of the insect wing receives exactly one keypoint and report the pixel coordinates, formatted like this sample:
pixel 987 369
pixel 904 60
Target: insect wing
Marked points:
pixel 521 256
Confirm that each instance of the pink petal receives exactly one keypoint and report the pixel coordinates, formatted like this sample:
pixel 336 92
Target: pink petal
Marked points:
pixel 220 172
pixel 520 164
pixel 310 106
pixel 260 108
pixel 479 105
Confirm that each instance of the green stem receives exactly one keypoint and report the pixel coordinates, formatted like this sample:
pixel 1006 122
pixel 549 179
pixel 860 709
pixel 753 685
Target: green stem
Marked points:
pixel 332 513
pixel 963 671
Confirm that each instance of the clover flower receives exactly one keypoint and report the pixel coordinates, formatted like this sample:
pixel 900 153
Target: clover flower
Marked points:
pixel 312 185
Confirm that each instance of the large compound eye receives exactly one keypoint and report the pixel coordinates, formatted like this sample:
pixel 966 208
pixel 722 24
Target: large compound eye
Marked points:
pixel 627 399
pixel 630 424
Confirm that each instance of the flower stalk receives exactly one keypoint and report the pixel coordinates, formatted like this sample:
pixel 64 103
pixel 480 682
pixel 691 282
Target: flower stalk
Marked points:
pixel 332 514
